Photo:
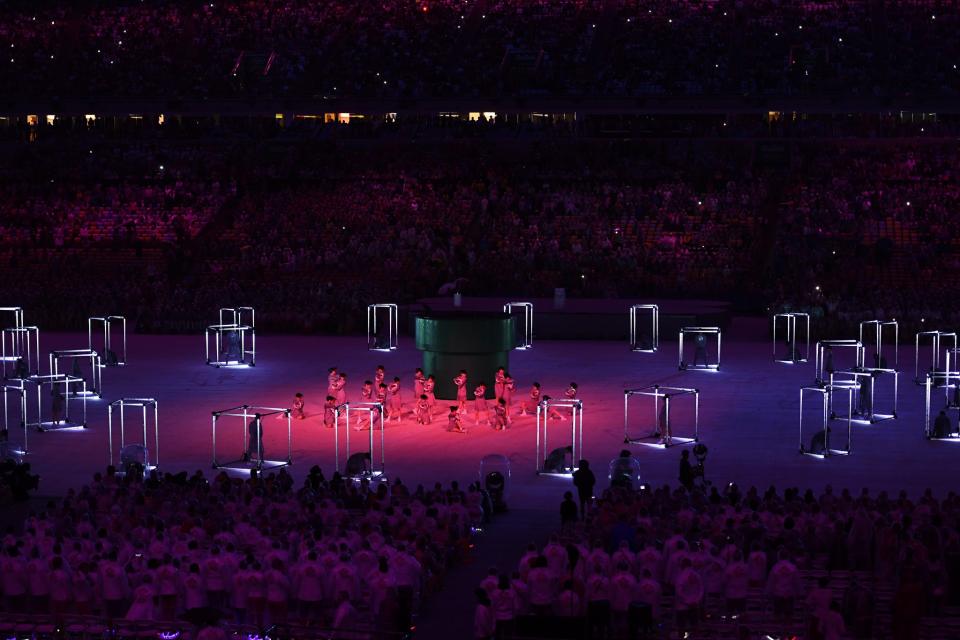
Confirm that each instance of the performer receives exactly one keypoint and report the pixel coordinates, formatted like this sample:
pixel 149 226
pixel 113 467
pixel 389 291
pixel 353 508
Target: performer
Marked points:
pixel 700 350
pixel 423 410
pixel 382 399
pixel 428 387
pixel 498 383
pixel 332 378
pixel 418 380
pixel 297 412
pixel 461 382
pixel 379 376
pixel 395 401
pixel 533 402
pixel 455 420
pixel 328 411
pixel 341 389
pixel 571 392
pixel 255 443
pixel 508 388
pixel 366 395
pixel 480 403
pixel 500 419
pixel 58 405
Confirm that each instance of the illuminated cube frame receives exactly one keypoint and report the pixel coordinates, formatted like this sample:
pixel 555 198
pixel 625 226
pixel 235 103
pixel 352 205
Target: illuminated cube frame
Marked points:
pixel 683 366
pixel 107 323
pixel 21 403
pixel 546 406
pixel 662 434
pixel 826 395
pixel 878 326
pixel 147 406
pixel 393 327
pixel 527 307
pixel 374 412
pixel 246 412
pixel 96 367
pixel 948 382
pixel 654 313
pixel 823 345
pixel 935 338
pixel 853 377
pixel 790 321
pixel 54 379
pixel 23 342
pixel 233 319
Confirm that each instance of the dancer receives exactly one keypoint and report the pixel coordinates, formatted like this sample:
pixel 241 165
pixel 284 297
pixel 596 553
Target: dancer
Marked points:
pixel 379 376
pixel 500 418
pixel 329 405
pixel 455 420
pixel 341 389
pixel 382 398
pixel 480 403
pixel 428 387
pixel 461 382
pixel 297 411
pixel 533 402
pixel 498 383
pixel 395 400
pixel 255 443
pixel 508 388
pixel 423 410
pixel 418 380
pixel 366 395
pixel 333 376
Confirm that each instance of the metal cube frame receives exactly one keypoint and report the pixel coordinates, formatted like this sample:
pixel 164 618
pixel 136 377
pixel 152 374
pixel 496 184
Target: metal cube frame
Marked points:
pixel 373 325
pixel 106 323
pixel 20 404
pixel 527 307
pixel 654 311
pixel 871 373
pixel 790 320
pixel 826 394
pixel 54 379
pixel 374 411
pixel 878 326
pixel 823 345
pixel 147 406
pixel 948 382
pixel 935 339
pixel 683 366
pixel 247 412
pixel 243 320
pixel 95 386
pixel 662 434
pixel 20 342
pixel 576 432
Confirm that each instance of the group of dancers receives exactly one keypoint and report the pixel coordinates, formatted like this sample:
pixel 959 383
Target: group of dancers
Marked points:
pixel 378 393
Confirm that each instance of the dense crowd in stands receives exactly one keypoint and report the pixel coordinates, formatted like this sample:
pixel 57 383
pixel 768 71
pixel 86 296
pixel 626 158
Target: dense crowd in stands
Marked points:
pixel 334 553
pixel 467 48
pixel 847 230
pixel 828 566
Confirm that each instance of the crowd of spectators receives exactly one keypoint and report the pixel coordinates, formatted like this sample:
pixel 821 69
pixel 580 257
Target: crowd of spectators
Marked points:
pixel 468 48
pixel 867 229
pixel 792 563
pixel 156 230
pixel 334 554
